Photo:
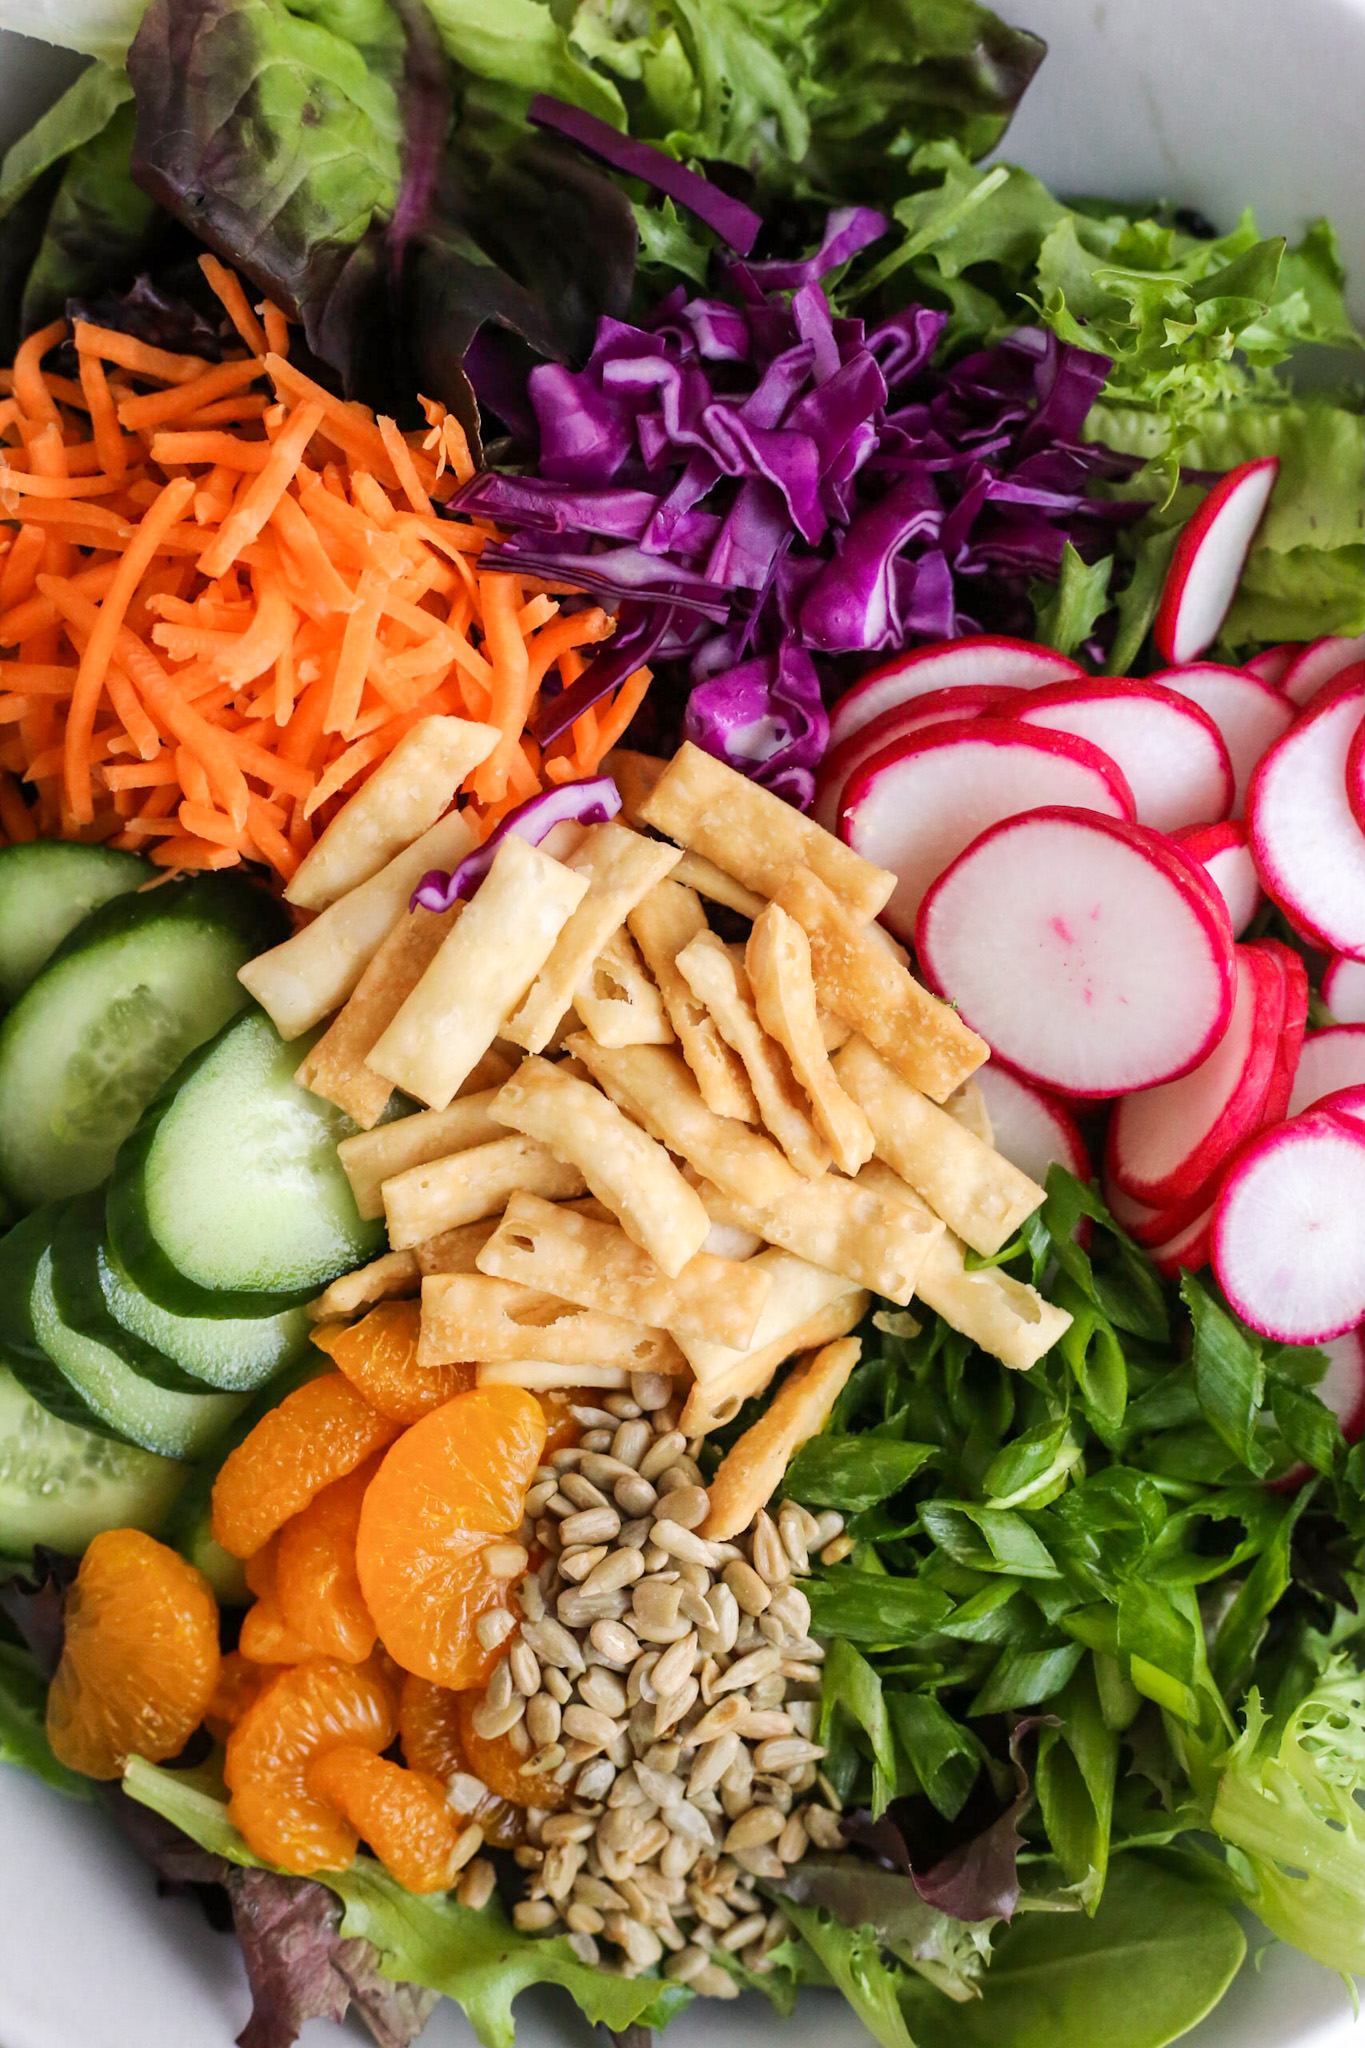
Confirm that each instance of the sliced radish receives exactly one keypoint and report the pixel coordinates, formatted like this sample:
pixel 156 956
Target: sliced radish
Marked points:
pixel 1355 777
pixel 902 722
pixel 1207 565
pixel 1225 856
pixel 1030 1127
pixel 1165 1143
pixel 1342 1389
pixel 1249 714
pixel 913 807
pixel 1287 1244
pixel 1320 664
pixel 1273 664
pixel 1330 1059
pixel 1308 848
pixel 1171 753
pixel 1088 952
pixel 1158 1226
pixel 1290 1044
pixel 1343 989
pixel 1347 1103
pixel 1187 1248
pixel 981 658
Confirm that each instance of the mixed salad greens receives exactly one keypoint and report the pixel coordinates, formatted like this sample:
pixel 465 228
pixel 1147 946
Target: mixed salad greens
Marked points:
pixel 1094 1678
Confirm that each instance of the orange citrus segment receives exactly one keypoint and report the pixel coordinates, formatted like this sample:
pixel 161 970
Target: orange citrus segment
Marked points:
pixel 447 1490
pixel 140 1657
pixel 401 1813
pixel 319 1433
pixel 493 1760
pixel 316 1584
pixel 267 1638
pixel 303 1712
pixel 378 1355
pixel 239 1681
pixel 429 1725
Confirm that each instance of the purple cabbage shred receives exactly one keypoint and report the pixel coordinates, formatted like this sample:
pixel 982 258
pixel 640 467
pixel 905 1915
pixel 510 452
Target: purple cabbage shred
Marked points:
pixel 571 803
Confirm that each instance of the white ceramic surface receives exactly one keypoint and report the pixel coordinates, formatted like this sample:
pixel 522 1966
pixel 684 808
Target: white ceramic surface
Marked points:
pixel 1212 103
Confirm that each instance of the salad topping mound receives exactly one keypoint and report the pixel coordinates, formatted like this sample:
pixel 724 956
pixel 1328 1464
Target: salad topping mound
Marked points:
pixel 682 1101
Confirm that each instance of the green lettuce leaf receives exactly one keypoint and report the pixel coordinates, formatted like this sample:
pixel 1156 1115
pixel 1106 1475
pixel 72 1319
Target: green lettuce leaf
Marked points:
pixel 23 1734
pixel 83 112
pixel 100 227
pixel 477 1959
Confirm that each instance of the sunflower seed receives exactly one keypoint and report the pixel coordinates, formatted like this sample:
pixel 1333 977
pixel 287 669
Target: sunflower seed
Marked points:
pixel 581 1491
pixel 640 1943
pixel 615 1569
pixel 540 1495
pixel 577 1565
pixel 713 1982
pixel 687 1505
pixel 791 1607
pixel 595 1440
pixel 661 1454
pixel 635 1534
pixel 823 1827
pixel 725 1718
pixel 769 1552
pixel 760 1824
pixel 585 1948
pixel 743 1932
pixel 675 1665
pixel 595 1779
pixel 583 1919
pixel 493 1629
pixel 533 1916
pixel 586 1724
pixel 634 1495
pixel 532 1597
pixel 748 1670
pixel 476 1885
pixel 504 1560
pixel 671 1537
pixel 543 1720
pixel 622 1407
pixel 673 1706
pixel 614 1642
pixel 650 1391
pixel 562 1865
pixel 590 1525
pixel 602 1690
pixel 724 1627
pixel 837 1549
pixel 631 1442
pixel 749 1590
pixel 553 1644
pixel 524 1669
pixel 592 1419
pixel 579 1610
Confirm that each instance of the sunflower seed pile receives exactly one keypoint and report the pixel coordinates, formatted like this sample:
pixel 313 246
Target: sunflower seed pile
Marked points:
pixel 671 1685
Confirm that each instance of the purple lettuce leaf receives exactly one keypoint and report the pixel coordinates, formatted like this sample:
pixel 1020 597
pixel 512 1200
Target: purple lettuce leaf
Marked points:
pixel 729 218
pixel 301 1969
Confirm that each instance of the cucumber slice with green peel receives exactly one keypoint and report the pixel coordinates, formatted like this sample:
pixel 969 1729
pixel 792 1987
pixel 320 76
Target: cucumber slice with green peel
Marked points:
pixel 229 1199
pixel 60 1486
pixel 80 1380
pixel 189 1526
pixel 96 1296
pixel 139 984
pixel 46 888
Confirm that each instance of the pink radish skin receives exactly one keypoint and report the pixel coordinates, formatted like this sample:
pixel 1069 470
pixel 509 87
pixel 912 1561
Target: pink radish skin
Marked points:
pixel 1158 1226
pixel 916 805
pixel 1171 752
pixel 1031 1128
pixel 1187 1250
pixel 1342 1389
pixel 1248 713
pixel 1355 777
pixel 1209 556
pixel 961 700
pixel 1087 951
pixel 980 658
pixel 1273 664
pixel 1343 989
pixel 1330 1059
pixel 1319 664
pixel 1309 850
pixel 1287 1244
pixel 1225 856
pixel 1289 1044
pixel 1346 1103
pixel 1165 1143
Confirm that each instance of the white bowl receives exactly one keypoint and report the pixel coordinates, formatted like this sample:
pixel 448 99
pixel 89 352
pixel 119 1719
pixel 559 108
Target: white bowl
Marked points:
pixel 1214 104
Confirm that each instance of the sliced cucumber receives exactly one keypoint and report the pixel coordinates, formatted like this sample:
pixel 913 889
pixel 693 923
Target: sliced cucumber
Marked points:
pixel 80 1380
pixel 229 1199
pixel 96 1296
pixel 46 888
pixel 61 1486
pixel 189 1527
pixel 138 984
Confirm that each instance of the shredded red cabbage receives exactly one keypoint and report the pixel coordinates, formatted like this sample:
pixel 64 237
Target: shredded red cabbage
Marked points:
pixel 764 486
pixel 579 803
pixel 731 219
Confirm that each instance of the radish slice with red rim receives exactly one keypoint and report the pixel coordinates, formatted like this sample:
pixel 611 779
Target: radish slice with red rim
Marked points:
pixel 1030 1127
pixel 1224 854
pixel 979 658
pixel 1319 664
pixel 1287 1244
pixel 1309 849
pixel 1248 713
pixel 1273 664
pixel 1186 1250
pixel 1166 1143
pixel 1171 752
pixel 1289 1046
pixel 1355 777
pixel 1209 556
pixel 1086 950
pixel 916 805
pixel 1343 989
pixel 902 722
pixel 1329 1060
pixel 1347 1103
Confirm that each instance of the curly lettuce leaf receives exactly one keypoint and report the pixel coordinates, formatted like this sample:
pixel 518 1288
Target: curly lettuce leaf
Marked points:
pixel 1290 1802
pixel 23 1734
pixel 100 226
pixel 477 1959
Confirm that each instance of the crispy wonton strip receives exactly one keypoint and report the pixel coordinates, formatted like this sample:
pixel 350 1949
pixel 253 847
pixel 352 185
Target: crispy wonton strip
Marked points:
pixel 335 1067
pixel 661 924
pixel 616 1000
pixel 468 1315
pixel 778 961
pixel 720 981
pixel 845 1226
pixel 752 1469
pixel 371 1157
pixel 429 1200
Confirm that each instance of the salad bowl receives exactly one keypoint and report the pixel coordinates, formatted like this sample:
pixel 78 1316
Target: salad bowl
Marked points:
pixel 1216 105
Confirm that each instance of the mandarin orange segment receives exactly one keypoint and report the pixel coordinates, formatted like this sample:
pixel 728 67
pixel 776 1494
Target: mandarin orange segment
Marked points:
pixel 140 1657
pixel 267 1638
pixel 401 1813
pixel 429 1726
pixel 494 1761
pixel 563 1429
pixel 447 1490
pixel 239 1682
pixel 303 1712
pixel 379 1357
pixel 316 1583
pixel 318 1434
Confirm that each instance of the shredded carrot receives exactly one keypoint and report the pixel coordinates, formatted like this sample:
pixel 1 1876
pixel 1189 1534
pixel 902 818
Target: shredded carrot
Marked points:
pixel 226 594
